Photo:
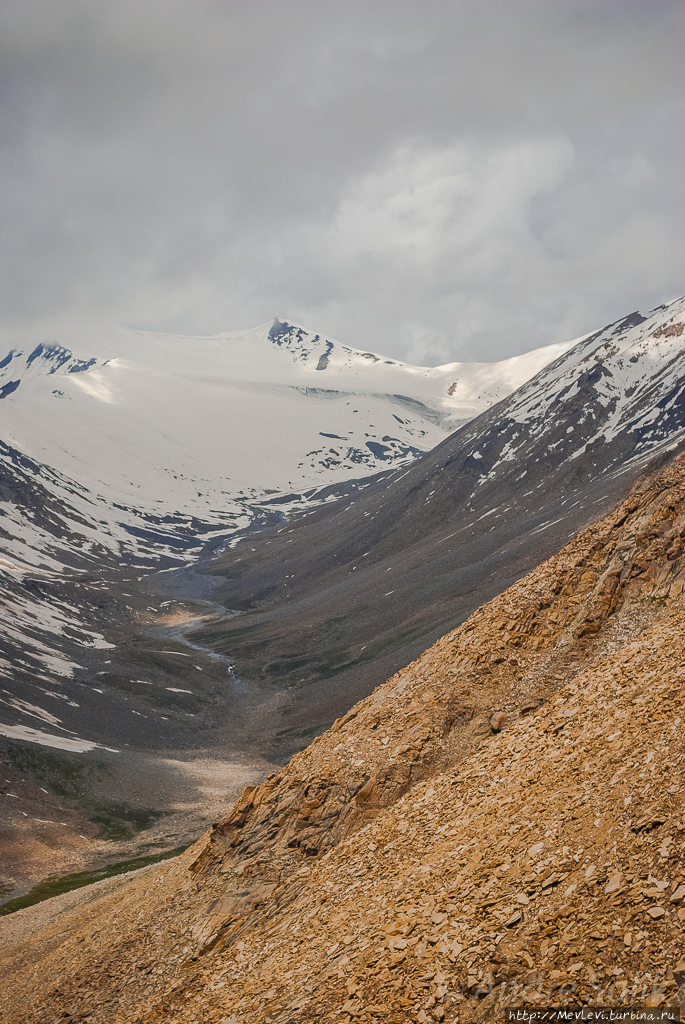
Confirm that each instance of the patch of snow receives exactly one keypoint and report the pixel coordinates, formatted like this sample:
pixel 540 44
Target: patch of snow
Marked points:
pixel 44 739
pixel 29 709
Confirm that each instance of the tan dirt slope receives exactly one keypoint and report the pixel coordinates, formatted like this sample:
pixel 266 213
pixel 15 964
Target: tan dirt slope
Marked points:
pixel 415 863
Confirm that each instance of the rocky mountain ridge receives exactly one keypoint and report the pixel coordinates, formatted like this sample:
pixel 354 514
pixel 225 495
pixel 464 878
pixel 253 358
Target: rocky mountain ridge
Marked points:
pixel 502 821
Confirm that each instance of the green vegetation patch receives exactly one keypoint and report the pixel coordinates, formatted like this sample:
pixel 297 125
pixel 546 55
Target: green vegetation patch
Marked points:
pixel 75 779
pixel 68 775
pixel 117 821
pixel 58 886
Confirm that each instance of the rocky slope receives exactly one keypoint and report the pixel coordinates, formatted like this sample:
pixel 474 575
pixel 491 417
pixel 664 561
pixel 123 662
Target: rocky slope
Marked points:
pixel 503 820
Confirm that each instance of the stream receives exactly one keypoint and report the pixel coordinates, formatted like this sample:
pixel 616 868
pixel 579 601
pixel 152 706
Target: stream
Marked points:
pixel 188 585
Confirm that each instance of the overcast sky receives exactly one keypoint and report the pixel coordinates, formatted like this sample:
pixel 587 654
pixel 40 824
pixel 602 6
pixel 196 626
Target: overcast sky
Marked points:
pixel 460 179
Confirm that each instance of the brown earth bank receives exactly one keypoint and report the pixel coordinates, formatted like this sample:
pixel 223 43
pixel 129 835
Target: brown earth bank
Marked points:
pixel 501 822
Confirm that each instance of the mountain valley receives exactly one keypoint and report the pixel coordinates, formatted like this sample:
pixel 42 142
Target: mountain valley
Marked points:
pixel 158 660
pixel 500 823
pixel 141 454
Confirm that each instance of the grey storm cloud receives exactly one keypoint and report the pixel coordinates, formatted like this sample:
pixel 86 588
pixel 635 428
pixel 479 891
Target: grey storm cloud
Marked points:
pixel 435 180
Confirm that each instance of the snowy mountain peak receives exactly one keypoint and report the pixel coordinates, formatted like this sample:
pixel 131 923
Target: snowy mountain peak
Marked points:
pixel 301 343
pixel 321 352
pixel 45 359
pixel 155 442
pixel 616 396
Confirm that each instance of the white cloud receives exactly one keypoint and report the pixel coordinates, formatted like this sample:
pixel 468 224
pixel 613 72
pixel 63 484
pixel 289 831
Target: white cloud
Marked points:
pixel 437 253
pixel 443 231
pixel 435 180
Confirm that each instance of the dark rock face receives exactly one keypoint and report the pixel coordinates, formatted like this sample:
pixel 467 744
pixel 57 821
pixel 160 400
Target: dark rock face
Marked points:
pixel 342 597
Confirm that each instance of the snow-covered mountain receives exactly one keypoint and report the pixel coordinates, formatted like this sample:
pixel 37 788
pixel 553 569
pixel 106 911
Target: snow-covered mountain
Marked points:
pixel 19 366
pixel 154 443
pixel 620 390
